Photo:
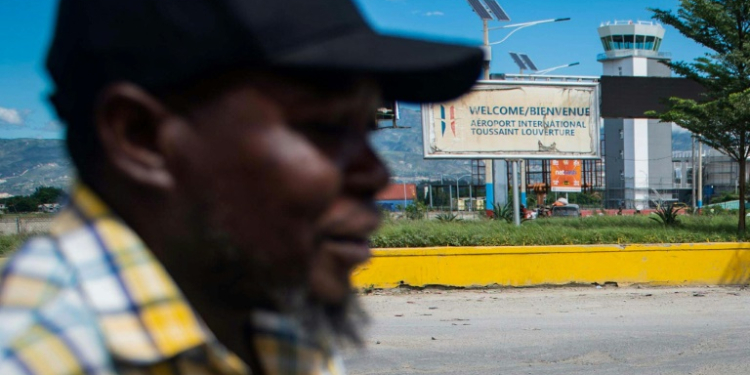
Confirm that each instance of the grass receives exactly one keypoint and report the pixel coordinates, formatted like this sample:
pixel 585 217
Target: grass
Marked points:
pixel 556 231
pixel 10 243
pixel 548 231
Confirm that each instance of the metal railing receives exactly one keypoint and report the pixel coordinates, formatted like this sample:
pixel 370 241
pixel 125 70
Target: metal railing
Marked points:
pixel 620 53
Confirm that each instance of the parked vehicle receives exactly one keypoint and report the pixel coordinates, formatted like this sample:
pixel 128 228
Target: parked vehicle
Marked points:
pixel 568 210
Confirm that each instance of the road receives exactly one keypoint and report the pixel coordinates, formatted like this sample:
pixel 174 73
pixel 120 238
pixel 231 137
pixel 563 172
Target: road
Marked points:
pixel 581 330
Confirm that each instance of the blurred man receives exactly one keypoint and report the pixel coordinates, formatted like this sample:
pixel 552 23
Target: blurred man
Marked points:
pixel 225 186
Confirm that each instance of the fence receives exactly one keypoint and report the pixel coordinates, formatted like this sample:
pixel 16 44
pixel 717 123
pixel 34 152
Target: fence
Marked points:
pixel 25 225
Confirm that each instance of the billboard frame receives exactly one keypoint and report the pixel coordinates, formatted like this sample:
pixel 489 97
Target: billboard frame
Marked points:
pixel 428 125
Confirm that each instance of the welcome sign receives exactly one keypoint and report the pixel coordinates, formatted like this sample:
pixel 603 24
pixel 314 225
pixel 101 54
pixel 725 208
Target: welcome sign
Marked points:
pixel 506 119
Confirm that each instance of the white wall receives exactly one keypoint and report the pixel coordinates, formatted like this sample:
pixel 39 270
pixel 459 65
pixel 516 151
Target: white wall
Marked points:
pixel 629 66
pixel 640 143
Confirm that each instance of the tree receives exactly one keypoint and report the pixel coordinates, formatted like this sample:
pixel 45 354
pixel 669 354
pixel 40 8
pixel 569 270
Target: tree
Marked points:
pixel 30 203
pixel 722 118
pixel 48 194
pixel 20 204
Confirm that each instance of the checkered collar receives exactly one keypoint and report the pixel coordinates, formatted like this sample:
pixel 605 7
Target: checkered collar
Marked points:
pixel 143 316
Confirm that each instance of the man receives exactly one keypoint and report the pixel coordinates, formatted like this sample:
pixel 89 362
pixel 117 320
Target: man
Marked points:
pixel 226 186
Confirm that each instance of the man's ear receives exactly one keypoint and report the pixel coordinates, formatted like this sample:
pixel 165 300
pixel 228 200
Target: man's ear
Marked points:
pixel 130 122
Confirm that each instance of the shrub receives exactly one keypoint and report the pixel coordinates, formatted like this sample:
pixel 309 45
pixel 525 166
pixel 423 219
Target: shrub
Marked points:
pixel 667 215
pixel 503 212
pixel 555 231
pixel 445 217
pixel 416 211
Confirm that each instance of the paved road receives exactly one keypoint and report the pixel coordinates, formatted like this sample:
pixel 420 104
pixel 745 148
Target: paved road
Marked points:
pixel 608 331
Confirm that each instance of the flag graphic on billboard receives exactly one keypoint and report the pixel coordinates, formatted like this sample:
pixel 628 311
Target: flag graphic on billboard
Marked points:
pixel 451 119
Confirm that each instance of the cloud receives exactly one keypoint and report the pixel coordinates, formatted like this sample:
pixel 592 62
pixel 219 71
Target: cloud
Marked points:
pixel 10 116
pixel 678 129
pixel 53 126
pixel 434 13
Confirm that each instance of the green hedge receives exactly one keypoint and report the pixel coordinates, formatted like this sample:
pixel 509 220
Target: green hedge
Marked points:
pixel 555 231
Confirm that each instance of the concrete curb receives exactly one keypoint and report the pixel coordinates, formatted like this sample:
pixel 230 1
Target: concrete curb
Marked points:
pixel 518 266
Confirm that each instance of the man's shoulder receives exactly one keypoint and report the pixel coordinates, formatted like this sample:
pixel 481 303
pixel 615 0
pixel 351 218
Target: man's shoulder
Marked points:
pixel 34 274
pixel 43 314
pixel 32 281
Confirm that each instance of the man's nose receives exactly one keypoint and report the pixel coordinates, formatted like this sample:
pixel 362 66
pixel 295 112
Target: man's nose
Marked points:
pixel 365 173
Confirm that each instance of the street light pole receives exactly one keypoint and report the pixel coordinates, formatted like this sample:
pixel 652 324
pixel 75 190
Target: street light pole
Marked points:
pixel 497 13
pixel 487 50
pixel 487 46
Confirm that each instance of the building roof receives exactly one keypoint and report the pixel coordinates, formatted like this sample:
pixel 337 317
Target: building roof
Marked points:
pixel 396 192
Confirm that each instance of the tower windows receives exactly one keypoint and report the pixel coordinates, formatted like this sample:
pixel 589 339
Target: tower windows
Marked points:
pixel 644 42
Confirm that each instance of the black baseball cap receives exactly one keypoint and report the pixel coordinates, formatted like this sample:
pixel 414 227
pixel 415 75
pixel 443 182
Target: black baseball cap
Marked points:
pixel 160 43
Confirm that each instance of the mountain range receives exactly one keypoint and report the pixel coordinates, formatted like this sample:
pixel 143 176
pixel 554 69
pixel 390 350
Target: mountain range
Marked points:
pixel 26 164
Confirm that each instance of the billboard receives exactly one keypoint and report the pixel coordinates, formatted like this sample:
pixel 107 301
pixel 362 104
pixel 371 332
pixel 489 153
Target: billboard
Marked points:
pixel 516 120
pixel 565 176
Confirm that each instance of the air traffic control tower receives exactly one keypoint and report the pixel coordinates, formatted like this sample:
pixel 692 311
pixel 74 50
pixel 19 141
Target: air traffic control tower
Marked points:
pixel 637 151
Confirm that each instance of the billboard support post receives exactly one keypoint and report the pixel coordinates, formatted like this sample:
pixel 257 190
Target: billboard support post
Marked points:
pixel 516 198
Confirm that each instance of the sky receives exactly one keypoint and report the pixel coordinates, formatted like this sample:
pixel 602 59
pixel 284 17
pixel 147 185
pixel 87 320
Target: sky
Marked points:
pixel 26 30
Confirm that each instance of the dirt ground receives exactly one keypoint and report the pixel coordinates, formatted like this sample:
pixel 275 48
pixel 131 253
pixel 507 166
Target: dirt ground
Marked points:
pixel 560 330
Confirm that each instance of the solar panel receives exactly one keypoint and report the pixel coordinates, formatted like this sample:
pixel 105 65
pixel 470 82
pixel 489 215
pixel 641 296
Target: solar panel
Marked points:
pixel 495 8
pixel 518 61
pixel 480 10
pixel 528 62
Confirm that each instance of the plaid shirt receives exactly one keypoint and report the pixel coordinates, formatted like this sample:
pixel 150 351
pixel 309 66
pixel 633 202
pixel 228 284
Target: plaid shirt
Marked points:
pixel 90 298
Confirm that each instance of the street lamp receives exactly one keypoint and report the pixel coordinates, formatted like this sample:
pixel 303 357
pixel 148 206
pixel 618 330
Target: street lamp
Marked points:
pixel 545 71
pixel 523 61
pixel 519 26
pixel 490 11
pixel 486 12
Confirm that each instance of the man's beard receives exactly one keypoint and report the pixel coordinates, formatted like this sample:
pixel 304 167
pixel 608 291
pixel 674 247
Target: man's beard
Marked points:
pixel 242 282
pixel 343 321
